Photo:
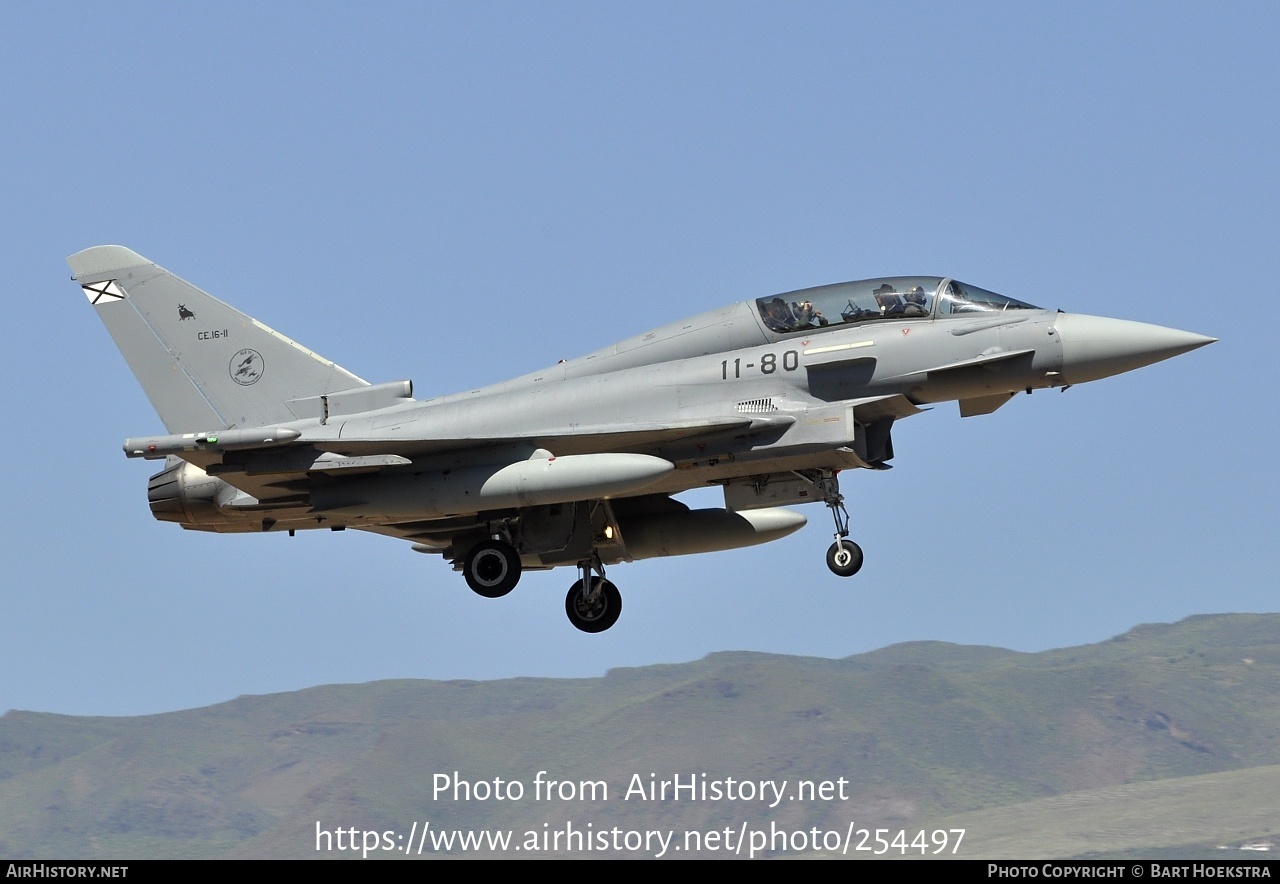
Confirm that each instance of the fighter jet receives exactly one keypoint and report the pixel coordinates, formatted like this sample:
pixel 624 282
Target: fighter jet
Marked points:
pixel 577 464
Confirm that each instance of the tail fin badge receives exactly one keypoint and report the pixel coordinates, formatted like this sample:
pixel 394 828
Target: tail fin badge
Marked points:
pixel 102 292
pixel 184 314
pixel 246 367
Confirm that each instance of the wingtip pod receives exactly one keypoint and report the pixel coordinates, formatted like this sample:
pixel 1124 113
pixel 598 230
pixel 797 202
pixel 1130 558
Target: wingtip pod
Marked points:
pixel 98 260
pixel 159 447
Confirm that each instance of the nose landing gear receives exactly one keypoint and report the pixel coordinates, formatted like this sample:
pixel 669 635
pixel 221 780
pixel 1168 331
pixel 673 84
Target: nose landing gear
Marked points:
pixel 844 557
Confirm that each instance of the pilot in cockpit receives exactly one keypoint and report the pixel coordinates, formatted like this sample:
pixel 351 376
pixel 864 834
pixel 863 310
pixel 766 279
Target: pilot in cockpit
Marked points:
pixel 960 302
pixel 807 315
pixel 888 300
pixel 778 316
pixel 916 302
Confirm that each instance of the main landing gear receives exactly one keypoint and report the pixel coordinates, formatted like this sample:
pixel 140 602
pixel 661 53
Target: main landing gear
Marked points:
pixel 593 603
pixel 844 557
pixel 492 568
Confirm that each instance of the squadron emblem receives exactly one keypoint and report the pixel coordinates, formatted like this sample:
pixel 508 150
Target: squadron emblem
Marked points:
pixel 246 367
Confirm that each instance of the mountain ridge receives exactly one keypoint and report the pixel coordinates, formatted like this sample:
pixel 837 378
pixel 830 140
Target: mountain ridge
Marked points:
pixel 919 731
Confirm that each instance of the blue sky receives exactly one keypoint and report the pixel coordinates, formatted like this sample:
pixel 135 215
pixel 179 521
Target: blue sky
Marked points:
pixel 459 193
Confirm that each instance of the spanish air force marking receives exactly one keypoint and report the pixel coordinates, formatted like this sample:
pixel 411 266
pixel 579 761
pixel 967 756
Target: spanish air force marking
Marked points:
pixel 246 367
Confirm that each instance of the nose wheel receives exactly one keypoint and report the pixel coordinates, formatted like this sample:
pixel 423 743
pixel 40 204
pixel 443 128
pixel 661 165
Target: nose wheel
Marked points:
pixel 844 557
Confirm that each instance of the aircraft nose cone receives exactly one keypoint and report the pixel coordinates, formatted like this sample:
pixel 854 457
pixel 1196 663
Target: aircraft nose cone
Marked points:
pixel 1097 347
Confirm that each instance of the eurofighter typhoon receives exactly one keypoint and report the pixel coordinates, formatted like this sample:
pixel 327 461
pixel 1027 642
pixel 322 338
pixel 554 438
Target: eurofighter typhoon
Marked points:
pixel 576 464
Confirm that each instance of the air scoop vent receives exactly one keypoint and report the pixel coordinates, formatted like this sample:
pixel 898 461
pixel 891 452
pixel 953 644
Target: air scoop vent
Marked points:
pixel 756 406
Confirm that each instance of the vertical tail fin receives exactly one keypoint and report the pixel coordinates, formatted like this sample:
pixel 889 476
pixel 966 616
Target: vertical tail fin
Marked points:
pixel 203 364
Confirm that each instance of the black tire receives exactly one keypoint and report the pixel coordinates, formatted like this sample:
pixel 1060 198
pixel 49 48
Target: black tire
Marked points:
pixel 492 568
pixel 597 615
pixel 844 558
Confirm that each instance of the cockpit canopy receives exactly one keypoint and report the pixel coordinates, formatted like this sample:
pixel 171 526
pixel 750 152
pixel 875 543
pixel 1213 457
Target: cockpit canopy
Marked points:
pixel 867 300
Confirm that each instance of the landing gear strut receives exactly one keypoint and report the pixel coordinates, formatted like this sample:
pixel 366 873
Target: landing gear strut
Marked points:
pixel 844 557
pixel 492 568
pixel 596 608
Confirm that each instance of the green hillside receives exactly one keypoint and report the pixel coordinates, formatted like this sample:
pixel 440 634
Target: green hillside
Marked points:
pixel 920 733
pixel 1208 816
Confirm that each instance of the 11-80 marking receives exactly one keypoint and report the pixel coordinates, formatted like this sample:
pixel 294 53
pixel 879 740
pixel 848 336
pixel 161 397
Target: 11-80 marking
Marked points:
pixel 768 364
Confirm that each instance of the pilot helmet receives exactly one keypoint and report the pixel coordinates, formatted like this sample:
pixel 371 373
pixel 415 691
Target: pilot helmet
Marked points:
pixel 883 294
